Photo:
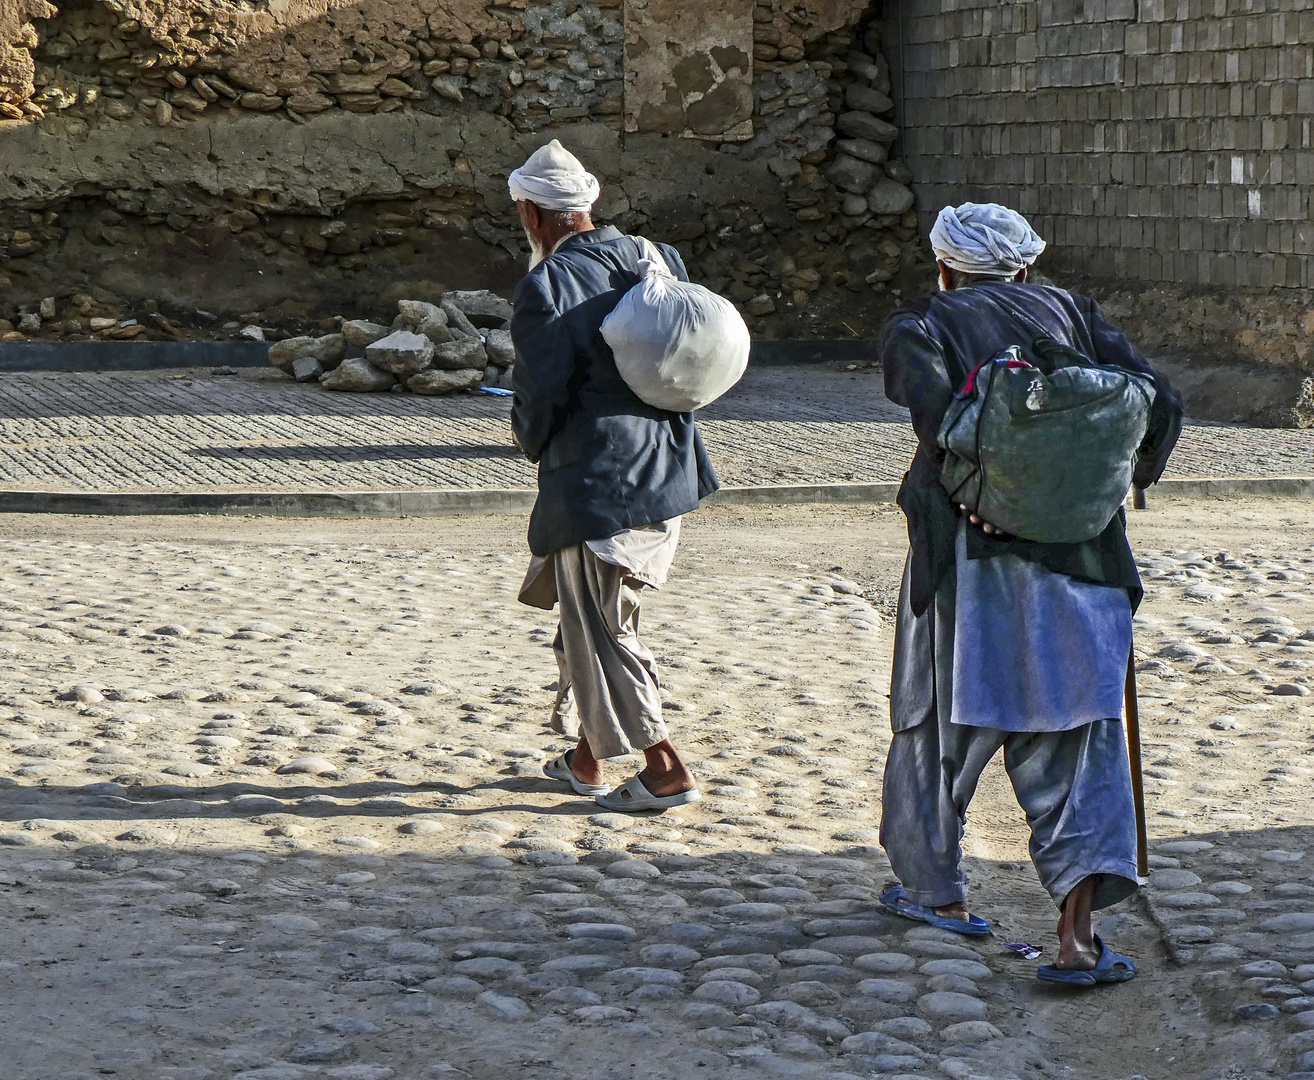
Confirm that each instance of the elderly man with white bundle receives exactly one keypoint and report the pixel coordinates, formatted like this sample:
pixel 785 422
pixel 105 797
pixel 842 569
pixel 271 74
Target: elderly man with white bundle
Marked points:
pixel 614 477
pixel 1002 642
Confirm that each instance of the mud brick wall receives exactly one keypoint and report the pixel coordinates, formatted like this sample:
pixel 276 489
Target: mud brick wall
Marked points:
pixel 278 161
pixel 1148 140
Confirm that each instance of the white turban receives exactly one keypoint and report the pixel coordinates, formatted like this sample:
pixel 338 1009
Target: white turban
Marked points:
pixel 985 238
pixel 554 179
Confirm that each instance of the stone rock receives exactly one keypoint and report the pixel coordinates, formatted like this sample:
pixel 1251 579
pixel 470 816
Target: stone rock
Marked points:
pixel 863 149
pixel 733 995
pixel 47 308
pixel 762 304
pixel 464 354
pixel 946 1007
pixel 885 963
pixel 853 206
pixel 402 352
pixel 889 197
pixel 358 375
pixel 971 1031
pixel 435 383
pixel 1184 847
pixel 415 313
pixel 307 369
pixel 507 1006
pixel 852 174
pixel 899 172
pixel 1288 689
pixel 1257 1011
pixel 360 333
pixel 479 302
pixel 895 990
pixel 312 766
pixel 862 125
pixel 967 969
pixel 501 350
pixel 866 99
pixel 875 1042
pixel 1173 879
pixel 1293 922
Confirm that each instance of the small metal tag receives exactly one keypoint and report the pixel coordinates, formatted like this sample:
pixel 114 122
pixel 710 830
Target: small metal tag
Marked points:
pixel 1037 396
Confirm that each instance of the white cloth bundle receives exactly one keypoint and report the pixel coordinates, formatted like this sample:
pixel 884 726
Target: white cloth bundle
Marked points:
pixel 985 238
pixel 678 345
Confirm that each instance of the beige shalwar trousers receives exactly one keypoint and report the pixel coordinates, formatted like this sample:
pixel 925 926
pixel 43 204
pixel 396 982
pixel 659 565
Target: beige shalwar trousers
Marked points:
pixel 608 685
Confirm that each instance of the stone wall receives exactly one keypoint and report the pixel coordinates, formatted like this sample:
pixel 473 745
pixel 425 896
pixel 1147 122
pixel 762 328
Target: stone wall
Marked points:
pixel 271 162
pixel 1163 142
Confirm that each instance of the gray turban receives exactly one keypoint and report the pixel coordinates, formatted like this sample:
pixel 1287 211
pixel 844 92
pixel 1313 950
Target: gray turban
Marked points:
pixel 554 179
pixel 985 238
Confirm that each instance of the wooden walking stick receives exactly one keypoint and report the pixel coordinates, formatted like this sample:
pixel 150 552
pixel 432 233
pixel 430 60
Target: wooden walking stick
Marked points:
pixel 1134 755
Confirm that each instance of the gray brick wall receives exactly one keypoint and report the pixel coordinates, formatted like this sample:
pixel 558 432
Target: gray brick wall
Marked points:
pixel 1153 140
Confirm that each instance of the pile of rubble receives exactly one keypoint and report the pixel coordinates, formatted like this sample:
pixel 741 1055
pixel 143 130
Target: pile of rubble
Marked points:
pixel 460 343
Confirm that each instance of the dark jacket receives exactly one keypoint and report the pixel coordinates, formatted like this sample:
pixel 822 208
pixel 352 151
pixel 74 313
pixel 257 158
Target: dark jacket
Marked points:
pixel 927 349
pixel 606 461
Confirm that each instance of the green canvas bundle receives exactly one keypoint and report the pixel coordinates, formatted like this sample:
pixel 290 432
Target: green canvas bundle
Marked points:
pixel 1045 450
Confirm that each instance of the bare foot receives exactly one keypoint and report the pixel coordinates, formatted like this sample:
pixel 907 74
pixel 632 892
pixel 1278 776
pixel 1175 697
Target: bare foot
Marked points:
pixel 1077 948
pixel 954 911
pixel 587 768
pixel 665 774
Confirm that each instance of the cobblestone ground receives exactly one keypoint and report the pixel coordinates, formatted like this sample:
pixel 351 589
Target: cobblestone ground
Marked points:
pixel 273 809
pixel 148 431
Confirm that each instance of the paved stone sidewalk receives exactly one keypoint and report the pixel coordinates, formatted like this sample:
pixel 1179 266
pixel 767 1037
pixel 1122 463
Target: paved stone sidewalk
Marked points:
pixel 153 432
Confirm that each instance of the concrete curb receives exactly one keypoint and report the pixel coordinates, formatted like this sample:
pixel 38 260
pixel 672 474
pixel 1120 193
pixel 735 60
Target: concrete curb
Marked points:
pixel 519 500
pixel 68 356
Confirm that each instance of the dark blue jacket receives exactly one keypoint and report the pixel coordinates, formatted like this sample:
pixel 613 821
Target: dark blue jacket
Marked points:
pixel 606 461
pixel 928 347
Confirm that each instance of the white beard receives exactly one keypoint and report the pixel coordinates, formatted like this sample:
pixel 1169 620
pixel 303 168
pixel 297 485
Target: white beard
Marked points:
pixel 537 253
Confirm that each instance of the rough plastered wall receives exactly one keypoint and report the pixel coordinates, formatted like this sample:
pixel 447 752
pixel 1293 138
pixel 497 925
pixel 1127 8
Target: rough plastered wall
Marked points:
pixel 267 160
pixel 1163 143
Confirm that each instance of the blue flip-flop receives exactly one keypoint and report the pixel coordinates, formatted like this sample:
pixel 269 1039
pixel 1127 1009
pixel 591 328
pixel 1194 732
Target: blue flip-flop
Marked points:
pixel 897 901
pixel 1112 968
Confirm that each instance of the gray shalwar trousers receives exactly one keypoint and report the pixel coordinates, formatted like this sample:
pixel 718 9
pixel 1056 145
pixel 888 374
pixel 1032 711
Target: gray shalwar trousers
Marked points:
pixel 608 687
pixel 1074 785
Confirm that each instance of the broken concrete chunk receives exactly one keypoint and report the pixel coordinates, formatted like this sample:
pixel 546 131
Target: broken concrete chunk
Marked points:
pixel 457 323
pixel 360 333
pixel 415 313
pixel 436 382
pixel 460 355
pixel 285 353
pixel 501 350
pixel 307 369
pixel 358 375
pixel 402 352
pixel 480 302
pixel 435 330
pixel 328 350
